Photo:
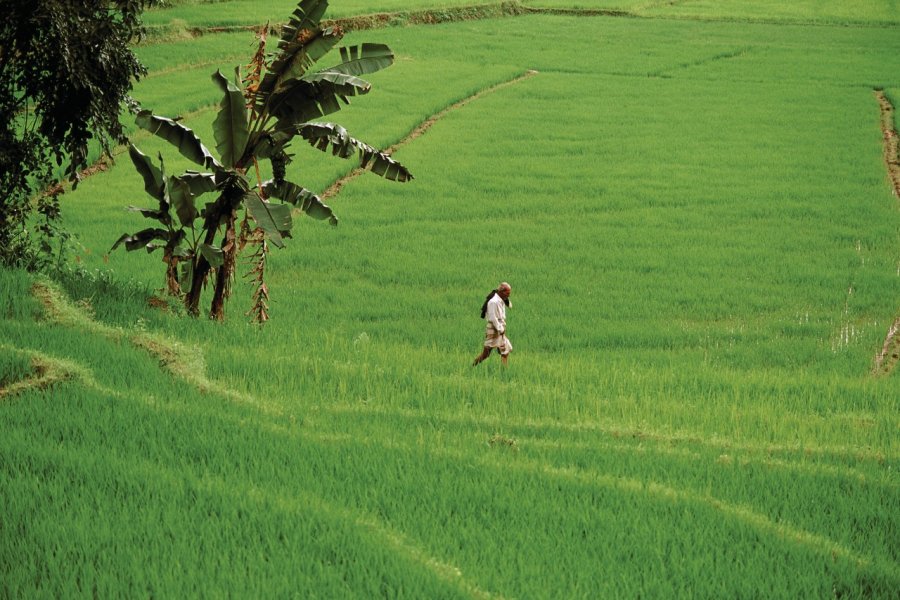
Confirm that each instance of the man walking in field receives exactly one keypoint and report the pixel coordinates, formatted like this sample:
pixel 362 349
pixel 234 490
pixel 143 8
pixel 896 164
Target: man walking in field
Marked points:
pixel 494 311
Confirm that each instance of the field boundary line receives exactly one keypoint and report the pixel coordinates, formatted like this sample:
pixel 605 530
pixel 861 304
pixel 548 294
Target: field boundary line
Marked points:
pixel 383 20
pixel 650 489
pixel 164 33
pixel 891 141
pixel 642 434
pixel 889 356
pixel 547 448
pixel 647 488
pixel 306 503
pixel 335 188
pixel 46 371
pixel 741 513
pixel 396 541
pixel 668 72
pixel 184 363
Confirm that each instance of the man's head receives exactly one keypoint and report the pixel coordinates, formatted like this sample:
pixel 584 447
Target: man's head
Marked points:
pixel 504 289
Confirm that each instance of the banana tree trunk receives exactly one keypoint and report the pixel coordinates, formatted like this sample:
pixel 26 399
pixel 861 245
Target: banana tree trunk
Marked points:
pixel 192 298
pixel 225 273
pixel 224 211
pixel 202 267
pixel 172 286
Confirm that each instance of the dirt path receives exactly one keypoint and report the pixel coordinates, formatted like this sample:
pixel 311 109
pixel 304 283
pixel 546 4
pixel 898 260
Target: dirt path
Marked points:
pixel 891 141
pixel 889 356
pixel 424 126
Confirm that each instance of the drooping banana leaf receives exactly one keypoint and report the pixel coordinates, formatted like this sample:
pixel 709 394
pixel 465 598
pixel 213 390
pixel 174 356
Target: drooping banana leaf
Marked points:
pixel 183 138
pixel 155 183
pixel 281 215
pixel 323 135
pixel 338 83
pixel 305 52
pixel 362 60
pixel 173 244
pixel 182 191
pixel 315 96
pixel 199 183
pixel 183 201
pixel 302 198
pixel 231 127
pixel 141 239
pixel 187 274
pixel 266 218
pixel 153 179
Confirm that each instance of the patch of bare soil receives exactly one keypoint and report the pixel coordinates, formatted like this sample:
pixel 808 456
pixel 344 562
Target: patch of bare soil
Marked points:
pixel 887 359
pixel 889 356
pixel 891 141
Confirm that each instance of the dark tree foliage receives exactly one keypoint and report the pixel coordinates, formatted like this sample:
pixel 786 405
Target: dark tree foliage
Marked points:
pixel 66 69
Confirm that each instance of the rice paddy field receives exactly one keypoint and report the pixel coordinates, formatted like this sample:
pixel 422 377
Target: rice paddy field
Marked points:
pixel 691 203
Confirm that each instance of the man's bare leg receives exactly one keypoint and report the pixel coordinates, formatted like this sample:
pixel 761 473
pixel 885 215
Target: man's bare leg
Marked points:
pixel 484 354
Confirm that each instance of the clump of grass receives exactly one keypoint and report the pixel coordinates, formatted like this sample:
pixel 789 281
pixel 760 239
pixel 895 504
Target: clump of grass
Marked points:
pixel 498 440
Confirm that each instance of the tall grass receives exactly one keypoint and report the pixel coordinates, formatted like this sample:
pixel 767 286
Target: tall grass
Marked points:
pixel 702 244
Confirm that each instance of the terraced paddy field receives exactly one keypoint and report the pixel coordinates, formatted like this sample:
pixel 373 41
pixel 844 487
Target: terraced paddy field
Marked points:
pixel 693 205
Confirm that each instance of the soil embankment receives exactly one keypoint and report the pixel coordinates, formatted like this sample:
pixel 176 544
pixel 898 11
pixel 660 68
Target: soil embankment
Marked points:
pixel 889 356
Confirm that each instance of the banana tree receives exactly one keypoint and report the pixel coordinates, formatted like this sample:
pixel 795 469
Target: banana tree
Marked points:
pixel 259 115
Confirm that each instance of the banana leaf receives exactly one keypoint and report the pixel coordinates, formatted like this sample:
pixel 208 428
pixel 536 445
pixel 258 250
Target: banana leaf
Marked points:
pixel 141 239
pixel 302 198
pixel 362 60
pixel 178 135
pixel 313 97
pixel 267 217
pixel 199 183
pixel 292 63
pixel 306 16
pixel 231 127
pixel 323 135
pixel 183 201
pixel 153 179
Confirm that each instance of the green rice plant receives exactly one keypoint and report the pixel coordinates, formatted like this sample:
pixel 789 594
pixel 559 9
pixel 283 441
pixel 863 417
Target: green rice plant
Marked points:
pixel 474 524
pixel 801 11
pixel 14 367
pixel 720 329
pixel 422 489
pixel 804 11
pixel 702 244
